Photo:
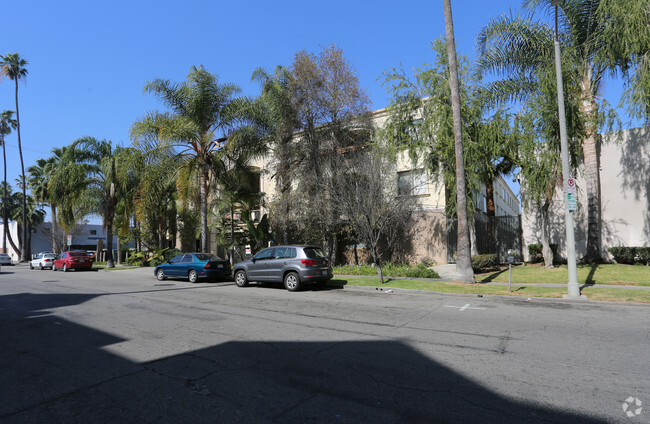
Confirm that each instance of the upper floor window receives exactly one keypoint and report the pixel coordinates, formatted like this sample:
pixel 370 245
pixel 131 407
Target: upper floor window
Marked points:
pixel 93 232
pixel 412 182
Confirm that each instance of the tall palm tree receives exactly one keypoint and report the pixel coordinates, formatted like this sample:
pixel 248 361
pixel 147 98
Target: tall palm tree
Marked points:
pixel 97 161
pixel 13 66
pixel 6 124
pixel 202 112
pixel 280 121
pixel 464 271
pixel 517 48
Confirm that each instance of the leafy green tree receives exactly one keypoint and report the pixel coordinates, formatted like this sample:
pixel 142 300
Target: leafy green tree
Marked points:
pixel 420 121
pixel 14 67
pixel 7 123
pixel 202 112
pixel 517 48
pixel 38 182
pixel 626 28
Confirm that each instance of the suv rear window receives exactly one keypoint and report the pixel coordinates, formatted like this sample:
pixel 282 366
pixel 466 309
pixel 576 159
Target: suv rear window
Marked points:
pixel 314 252
pixel 206 257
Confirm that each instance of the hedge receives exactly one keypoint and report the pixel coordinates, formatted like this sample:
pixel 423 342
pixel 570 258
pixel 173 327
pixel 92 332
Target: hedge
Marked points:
pixel 630 255
pixel 482 263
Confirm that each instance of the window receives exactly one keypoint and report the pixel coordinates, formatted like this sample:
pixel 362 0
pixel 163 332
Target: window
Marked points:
pixel 93 232
pixel 187 258
pixel 411 182
pixel 282 252
pixel 264 254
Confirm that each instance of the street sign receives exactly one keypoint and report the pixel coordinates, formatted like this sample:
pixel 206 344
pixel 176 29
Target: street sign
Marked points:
pixel 572 202
pixel 570 186
pixel 69 239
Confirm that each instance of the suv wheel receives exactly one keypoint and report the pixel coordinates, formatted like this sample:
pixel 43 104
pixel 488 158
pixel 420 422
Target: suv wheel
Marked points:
pixel 192 276
pixel 240 278
pixel 292 282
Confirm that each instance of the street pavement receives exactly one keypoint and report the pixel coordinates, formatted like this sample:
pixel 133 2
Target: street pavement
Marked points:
pixel 121 347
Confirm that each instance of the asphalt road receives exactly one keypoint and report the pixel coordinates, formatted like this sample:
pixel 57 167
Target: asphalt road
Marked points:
pixel 122 347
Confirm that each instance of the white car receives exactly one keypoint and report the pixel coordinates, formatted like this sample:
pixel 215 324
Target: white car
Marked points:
pixel 42 260
pixel 5 259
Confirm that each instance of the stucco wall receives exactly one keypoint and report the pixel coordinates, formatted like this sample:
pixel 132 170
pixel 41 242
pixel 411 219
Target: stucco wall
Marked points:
pixel 625 194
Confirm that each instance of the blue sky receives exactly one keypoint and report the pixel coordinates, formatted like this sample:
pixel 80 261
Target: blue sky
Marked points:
pixel 88 61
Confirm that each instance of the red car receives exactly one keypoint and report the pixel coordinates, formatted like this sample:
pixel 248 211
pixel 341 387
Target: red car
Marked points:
pixel 74 259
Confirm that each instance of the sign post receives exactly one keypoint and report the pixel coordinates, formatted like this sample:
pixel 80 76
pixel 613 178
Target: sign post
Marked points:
pixel 69 240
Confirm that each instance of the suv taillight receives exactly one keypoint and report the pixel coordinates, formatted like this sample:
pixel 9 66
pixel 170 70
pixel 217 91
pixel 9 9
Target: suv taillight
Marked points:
pixel 308 262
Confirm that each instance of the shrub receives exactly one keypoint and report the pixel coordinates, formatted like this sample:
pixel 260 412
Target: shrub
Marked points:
pixel 643 255
pixel 535 252
pixel 623 254
pixel 482 263
pixel 389 270
pixel 138 259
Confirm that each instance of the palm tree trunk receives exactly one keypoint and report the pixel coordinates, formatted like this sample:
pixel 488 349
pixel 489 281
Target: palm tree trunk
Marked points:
pixel 55 229
pixel 204 207
pixel 23 253
pixel 109 245
pixel 591 155
pixel 547 253
pixel 464 271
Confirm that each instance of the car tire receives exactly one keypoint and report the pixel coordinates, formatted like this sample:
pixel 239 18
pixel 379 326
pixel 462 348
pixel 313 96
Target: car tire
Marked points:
pixel 192 276
pixel 292 281
pixel 65 268
pixel 160 275
pixel 53 267
pixel 241 279
pixel 40 266
pixel 31 266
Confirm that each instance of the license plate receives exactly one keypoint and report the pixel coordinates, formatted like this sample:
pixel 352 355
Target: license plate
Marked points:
pixel 324 272
pixel 219 265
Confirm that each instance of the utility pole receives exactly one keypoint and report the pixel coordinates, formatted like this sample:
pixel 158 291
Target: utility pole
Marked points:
pixel 574 289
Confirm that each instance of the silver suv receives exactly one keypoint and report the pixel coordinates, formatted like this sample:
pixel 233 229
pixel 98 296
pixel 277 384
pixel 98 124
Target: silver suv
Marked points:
pixel 292 265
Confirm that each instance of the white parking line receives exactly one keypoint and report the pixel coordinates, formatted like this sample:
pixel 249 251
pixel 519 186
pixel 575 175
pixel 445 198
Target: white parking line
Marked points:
pixel 462 308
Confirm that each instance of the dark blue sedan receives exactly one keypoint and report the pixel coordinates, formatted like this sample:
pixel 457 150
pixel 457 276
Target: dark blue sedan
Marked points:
pixel 194 266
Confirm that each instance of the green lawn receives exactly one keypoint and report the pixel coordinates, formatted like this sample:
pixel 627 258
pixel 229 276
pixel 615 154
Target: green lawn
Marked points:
pixel 526 283
pixel 613 274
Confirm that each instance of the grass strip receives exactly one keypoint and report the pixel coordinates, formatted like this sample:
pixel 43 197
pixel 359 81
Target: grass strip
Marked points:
pixel 520 290
pixel 609 274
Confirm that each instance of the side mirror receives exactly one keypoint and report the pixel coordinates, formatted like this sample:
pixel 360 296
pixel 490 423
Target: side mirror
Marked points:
pixel 253 259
